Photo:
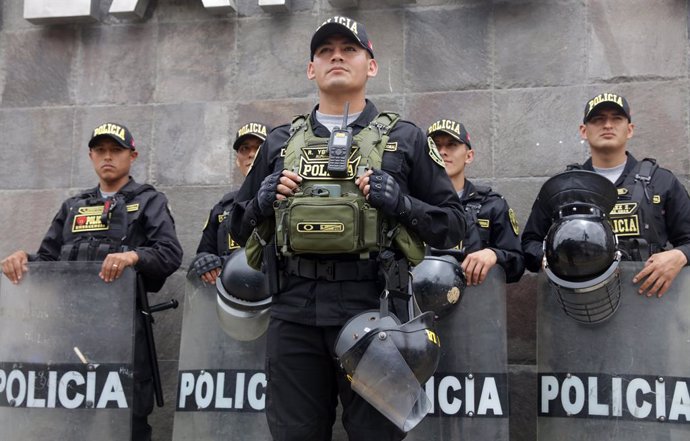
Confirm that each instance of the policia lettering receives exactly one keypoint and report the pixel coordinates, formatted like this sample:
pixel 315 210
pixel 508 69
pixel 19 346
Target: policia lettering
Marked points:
pixel 330 215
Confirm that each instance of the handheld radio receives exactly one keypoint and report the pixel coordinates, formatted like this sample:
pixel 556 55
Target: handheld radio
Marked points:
pixel 339 145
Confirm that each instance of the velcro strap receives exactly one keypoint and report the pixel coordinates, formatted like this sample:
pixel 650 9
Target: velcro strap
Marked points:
pixel 331 270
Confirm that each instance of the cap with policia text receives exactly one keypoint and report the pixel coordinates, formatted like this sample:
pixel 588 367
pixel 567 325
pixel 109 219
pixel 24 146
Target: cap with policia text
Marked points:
pixel 606 99
pixel 250 129
pixel 345 26
pixel 117 132
pixel 453 128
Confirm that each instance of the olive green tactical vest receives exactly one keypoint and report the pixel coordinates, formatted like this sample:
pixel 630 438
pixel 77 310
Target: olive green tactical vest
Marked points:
pixel 330 215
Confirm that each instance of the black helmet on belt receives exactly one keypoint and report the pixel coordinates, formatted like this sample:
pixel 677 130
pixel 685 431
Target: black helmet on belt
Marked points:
pixel 438 284
pixel 243 303
pixel 388 362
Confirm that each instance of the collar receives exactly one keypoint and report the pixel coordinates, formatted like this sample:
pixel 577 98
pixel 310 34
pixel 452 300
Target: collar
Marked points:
pixel 469 190
pixel 630 163
pixel 368 114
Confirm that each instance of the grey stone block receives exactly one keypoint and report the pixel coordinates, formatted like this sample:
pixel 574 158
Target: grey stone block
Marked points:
pixel 192 144
pixel 447 49
pixel 138 119
pixel 522 391
pixel 195 61
pixel 167 11
pixel 473 109
pixel 539 44
pixel 393 103
pixel 36 148
pixel 522 319
pixel 119 64
pixel 39 66
pixel 25 218
pixel 12 16
pixel 191 207
pixel 621 43
pixel 537 131
pixel 271 112
pixel 272 57
pixel 251 8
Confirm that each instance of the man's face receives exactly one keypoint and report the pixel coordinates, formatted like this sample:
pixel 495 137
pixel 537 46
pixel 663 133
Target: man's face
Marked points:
pixel 110 160
pixel 246 151
pixel 341 65
pixel 607 130
pixel 456 155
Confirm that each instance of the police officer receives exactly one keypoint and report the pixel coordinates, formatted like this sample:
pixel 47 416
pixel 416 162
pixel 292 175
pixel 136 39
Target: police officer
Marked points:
pixel 488 212
pixel 135 229
pixel 320 290
pixel 216 241
pixel 653 208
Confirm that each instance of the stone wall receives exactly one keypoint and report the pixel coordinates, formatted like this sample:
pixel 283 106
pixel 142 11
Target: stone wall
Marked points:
pixel 516 72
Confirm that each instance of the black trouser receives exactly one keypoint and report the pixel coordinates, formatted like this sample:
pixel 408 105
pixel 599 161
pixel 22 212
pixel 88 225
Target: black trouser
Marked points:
pixel 304 382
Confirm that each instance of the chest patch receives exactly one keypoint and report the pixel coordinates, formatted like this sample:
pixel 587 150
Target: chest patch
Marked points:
pixel 484 223
pixel 88 222
pixel 313 163
pixel 625 220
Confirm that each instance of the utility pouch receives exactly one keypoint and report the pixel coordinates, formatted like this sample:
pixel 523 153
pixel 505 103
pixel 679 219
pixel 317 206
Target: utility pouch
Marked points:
pixel 254 248
pixel 326 225
pixel 410 244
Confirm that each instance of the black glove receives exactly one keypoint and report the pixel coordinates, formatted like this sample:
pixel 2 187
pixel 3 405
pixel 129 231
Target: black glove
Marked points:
pixel 205 262
pixel 267 193
pixel 385 194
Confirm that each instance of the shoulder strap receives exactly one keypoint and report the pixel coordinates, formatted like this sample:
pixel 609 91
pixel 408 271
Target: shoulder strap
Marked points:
pixel 136 190
pixel 573 167
pixel 373 138
pixel 298 128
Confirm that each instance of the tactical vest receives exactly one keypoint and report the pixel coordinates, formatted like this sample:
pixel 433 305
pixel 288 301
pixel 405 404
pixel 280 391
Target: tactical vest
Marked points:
pixel 96 227
pixel 330 215
pixel 636 213
pixel 225 244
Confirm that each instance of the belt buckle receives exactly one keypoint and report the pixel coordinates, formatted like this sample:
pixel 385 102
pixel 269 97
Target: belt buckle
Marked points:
pixel 325 270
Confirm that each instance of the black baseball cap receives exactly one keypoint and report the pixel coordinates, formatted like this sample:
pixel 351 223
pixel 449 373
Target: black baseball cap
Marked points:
pixel 117 132
pixel 345 26
pixel 453 128
pixel 250 129
pixel 606 100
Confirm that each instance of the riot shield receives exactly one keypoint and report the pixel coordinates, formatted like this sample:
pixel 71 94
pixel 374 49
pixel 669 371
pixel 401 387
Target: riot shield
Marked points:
pixel 626 378
pixel 66 354
pixel 221 381
pixel 469 391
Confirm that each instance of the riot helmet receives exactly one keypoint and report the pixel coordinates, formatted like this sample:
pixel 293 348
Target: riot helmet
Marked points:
pixel 438 284
pixel 388 362
pixel 243 302
pixel 581 254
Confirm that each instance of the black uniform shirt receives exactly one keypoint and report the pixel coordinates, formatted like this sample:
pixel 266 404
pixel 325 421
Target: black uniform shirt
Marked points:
pixel 436 215
pixel 215 238
pixel 672 223
pixel 498 230
pixel 150 232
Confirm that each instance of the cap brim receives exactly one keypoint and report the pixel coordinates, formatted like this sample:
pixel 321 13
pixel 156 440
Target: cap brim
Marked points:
pixel 329 29
pixel 93 140
pixel 238 141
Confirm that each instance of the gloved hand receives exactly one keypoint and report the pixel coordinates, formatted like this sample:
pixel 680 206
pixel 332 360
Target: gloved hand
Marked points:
pixel 385 194
pixel 267 193
pixel 205 262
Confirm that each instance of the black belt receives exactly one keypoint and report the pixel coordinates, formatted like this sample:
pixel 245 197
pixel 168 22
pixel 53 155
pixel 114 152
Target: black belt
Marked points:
pixel 331 270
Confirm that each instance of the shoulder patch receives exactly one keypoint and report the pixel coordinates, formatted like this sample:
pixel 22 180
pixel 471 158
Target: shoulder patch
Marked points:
pixel 433 152
pixel 513 222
